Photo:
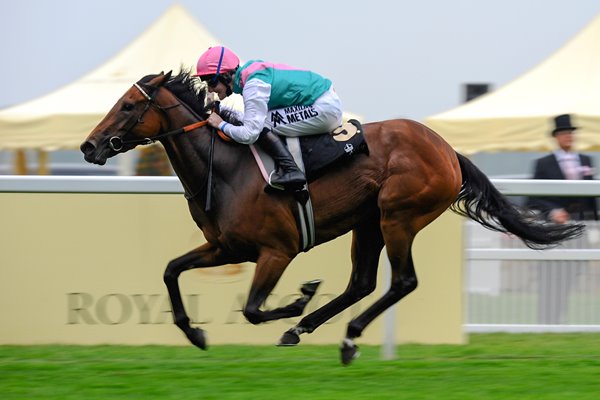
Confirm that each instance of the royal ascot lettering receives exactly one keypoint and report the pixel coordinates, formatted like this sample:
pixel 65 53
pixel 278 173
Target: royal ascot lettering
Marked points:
pixel 118 308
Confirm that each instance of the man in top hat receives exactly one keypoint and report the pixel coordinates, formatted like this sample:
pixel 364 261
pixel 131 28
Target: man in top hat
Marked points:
pixel 564 163
pixel 557 280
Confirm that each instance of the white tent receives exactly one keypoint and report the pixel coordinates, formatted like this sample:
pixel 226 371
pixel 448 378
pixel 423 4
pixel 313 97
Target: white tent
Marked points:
pixel 519 115
pixel 62 119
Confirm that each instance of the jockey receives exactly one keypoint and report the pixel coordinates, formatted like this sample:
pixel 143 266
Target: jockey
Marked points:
pixel 278 100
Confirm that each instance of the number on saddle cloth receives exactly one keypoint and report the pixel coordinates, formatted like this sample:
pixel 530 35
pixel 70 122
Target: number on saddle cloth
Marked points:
pixel 321 151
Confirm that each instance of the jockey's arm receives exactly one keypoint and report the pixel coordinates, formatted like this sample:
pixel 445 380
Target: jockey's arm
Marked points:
pixel 235 114
pixel 256 94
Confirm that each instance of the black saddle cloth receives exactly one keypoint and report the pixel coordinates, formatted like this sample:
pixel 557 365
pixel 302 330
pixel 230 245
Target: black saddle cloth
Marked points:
pixel 322 151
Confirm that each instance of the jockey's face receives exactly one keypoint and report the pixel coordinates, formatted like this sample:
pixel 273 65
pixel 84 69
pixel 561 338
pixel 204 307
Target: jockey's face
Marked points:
pixel 220 89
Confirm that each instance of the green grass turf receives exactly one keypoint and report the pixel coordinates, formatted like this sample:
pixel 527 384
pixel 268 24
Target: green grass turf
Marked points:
pixel 492 366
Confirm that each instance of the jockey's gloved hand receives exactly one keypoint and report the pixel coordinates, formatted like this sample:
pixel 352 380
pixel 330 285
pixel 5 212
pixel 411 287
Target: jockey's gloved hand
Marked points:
pixel 214 120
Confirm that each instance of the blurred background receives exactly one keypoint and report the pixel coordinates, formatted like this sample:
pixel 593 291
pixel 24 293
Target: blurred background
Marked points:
pixel 386 59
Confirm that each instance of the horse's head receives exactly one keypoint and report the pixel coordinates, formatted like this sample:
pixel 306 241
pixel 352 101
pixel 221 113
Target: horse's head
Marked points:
pixel 135 119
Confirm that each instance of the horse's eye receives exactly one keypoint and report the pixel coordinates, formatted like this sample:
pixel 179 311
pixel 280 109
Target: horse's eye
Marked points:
pixel 128 107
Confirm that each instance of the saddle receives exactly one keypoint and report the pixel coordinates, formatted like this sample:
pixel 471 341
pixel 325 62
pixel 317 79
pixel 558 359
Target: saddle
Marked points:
pixel 314 154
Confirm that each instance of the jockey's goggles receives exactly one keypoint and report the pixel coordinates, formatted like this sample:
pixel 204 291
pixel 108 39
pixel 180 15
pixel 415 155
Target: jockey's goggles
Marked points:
pixel 210 80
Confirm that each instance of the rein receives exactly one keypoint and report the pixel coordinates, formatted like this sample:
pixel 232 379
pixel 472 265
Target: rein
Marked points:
pixel 116 143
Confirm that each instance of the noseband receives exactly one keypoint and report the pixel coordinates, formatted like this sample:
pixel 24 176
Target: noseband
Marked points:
pixel 116 143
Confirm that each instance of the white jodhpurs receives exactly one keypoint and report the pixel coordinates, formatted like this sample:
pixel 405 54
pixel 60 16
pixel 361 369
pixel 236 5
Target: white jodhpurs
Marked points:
pixel 324 115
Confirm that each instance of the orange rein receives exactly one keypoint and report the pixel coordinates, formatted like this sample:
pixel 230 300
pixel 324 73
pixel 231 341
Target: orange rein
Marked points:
pixel 200 124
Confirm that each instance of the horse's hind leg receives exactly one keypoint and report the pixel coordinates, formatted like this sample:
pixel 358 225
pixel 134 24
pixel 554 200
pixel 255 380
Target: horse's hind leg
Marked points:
pixel 404 281
pixel 204 256
pixel 367 243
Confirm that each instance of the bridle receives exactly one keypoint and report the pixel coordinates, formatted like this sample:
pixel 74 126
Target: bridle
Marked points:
pixel 116 143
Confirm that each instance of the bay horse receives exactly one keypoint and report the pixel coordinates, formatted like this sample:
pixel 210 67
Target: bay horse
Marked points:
pixel 408 179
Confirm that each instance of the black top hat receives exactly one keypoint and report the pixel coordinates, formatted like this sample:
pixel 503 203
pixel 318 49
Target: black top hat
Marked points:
pixel 563 123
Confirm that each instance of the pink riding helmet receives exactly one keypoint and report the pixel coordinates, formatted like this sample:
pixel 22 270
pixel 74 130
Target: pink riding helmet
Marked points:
pixel 216 60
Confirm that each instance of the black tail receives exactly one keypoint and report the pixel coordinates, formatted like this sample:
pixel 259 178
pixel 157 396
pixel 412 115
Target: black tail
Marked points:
pixel 481 201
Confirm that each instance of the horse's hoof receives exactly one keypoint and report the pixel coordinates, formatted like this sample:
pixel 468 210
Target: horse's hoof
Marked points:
pixel 310 288
pixel 197 337
pixel 349 351
pixel 289 339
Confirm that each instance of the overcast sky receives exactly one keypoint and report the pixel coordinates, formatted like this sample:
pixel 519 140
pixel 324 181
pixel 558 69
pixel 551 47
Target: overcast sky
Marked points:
pixel 387 58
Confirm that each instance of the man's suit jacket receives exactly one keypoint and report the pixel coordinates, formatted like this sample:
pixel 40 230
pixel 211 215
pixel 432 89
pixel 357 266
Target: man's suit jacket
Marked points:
pixel 579 208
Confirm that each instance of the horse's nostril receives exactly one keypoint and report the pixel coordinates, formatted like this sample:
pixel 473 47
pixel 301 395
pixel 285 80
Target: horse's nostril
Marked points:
pixel 86 147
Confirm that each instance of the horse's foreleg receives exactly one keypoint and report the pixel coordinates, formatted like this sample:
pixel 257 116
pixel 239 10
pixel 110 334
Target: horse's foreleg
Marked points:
pixel 367 243
pixel 269 268
pixel 204 256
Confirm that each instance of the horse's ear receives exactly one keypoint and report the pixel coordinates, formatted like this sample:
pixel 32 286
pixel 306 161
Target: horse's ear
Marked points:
pixel 160 79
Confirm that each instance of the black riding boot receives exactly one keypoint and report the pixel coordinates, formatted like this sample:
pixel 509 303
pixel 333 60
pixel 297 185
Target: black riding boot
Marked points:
pixel 287 174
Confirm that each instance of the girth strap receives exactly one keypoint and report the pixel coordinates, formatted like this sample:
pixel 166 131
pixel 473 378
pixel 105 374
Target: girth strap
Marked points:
pixel 306 220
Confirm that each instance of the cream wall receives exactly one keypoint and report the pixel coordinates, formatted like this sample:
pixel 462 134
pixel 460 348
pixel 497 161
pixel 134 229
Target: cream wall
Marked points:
pixel 87 269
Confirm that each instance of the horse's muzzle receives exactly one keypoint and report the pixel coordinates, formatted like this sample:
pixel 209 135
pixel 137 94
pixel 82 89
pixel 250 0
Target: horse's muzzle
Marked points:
pixel 90 153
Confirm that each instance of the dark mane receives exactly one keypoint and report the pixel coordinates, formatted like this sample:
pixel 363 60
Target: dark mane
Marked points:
pixel 188 89
pixel 192 92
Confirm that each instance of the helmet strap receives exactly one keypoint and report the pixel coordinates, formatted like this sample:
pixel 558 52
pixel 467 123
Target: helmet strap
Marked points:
pixel 217 74
pixel 226 79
